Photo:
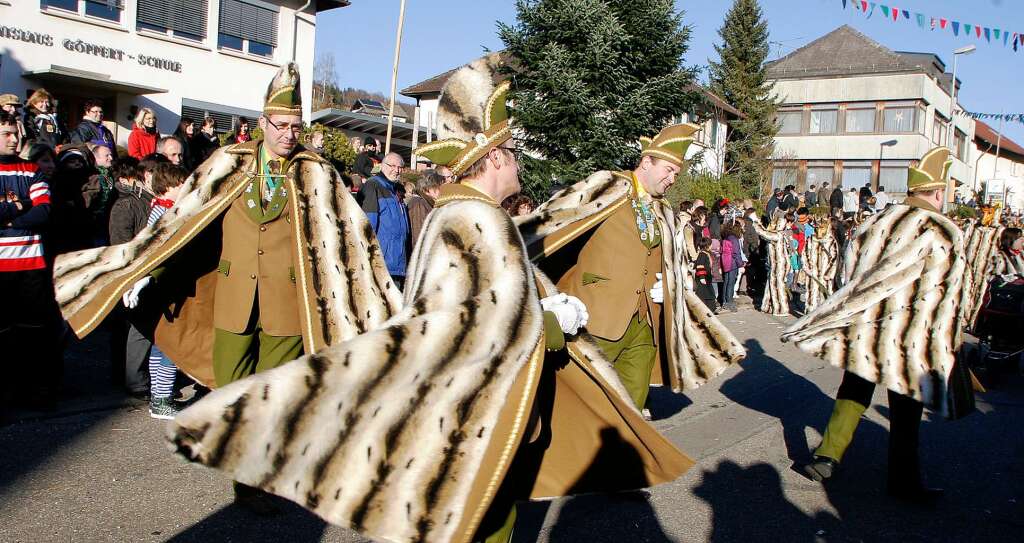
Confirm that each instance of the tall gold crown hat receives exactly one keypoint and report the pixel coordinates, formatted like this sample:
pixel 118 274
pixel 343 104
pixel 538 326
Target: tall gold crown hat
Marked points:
pixel 931 172
pixel 283 94
pixel 670 144
pixel 471 114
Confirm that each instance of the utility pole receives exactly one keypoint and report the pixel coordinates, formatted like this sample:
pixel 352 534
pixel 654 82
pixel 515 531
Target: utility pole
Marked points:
pixel 394 77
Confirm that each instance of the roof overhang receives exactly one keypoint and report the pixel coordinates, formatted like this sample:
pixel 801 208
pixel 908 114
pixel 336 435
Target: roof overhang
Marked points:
pixel 326 5
pixel 368 124
pixel 61 75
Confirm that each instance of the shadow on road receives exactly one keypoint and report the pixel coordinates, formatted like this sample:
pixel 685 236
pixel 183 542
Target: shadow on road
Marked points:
pixel 747 504
pixel 234 523
pixel 597 518
pixel 29 438
pixel 768 386
pixel 664 403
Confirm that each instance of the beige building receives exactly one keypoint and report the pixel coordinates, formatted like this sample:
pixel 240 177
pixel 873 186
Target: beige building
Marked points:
pixel 855 112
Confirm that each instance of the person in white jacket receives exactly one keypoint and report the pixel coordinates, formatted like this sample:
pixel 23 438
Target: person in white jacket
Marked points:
pixel 881 199
pixel 850 203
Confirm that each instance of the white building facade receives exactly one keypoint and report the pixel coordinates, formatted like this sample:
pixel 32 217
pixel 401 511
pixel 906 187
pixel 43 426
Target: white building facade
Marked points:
pixel 854 113
pixel 178 57
pixel 998 169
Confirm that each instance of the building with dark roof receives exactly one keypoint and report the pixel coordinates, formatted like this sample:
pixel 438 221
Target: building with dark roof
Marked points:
pixel 855 112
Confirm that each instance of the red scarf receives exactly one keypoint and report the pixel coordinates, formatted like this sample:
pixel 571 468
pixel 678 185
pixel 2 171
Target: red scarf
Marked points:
pixel 162 202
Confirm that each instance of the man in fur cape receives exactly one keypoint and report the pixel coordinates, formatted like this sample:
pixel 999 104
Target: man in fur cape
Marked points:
pixel 897 322
pixel 775 300
pixel 265 257
pixel 821 256
pixel 613 242
pixel 429 427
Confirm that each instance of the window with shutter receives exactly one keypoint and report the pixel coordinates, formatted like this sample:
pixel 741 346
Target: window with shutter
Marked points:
pixel 247 27
pixel 223 122
pixel 108 10
pixel 226 118
pixel 181 18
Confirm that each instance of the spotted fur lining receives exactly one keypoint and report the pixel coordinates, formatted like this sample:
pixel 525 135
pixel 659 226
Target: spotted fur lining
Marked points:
pixel 897 320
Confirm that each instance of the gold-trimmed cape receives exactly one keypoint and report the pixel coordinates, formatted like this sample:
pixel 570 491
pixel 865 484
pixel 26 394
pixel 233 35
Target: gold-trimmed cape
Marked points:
pixel 696 346
pixel 342 282
pixel 409 431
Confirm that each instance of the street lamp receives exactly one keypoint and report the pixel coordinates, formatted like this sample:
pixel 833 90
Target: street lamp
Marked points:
pixel 952 105
pixel 881 149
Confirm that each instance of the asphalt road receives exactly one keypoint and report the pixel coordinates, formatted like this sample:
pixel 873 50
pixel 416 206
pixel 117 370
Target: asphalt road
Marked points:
pixel 98 469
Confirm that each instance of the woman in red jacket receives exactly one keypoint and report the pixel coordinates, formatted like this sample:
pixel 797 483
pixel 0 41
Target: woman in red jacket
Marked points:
pixel 142 140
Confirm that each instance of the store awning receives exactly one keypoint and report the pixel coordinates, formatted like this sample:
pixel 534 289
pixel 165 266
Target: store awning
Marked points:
pixel 62 75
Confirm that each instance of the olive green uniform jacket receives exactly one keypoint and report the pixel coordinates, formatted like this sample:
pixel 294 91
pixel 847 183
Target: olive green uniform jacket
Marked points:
pixel 340 287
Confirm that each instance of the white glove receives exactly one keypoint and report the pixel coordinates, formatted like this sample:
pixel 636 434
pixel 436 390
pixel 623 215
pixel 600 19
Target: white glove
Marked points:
pixel 569 310
pixel 658 290
pixel 131 298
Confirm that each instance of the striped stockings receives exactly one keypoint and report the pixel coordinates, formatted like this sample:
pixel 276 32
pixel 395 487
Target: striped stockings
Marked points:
pixel 161 374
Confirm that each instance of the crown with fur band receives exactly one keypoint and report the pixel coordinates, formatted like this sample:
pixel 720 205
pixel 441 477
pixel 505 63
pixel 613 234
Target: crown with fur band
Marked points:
pixel 472 116
pixel 931 171
pixel 670 144
pixel 283 95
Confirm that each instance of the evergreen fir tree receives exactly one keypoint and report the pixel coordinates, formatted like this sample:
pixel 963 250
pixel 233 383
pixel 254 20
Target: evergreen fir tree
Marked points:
pixel 589 78
pixel 740 78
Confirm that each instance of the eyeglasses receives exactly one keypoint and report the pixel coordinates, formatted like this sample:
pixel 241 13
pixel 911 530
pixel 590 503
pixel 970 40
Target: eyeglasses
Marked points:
pixel 293 128
pixel 514 151
pixel 395 166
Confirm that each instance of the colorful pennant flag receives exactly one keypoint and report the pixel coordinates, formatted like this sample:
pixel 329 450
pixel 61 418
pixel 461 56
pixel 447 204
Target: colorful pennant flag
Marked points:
pixel 942 23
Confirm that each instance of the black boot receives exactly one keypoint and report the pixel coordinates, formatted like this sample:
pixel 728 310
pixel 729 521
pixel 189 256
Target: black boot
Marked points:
pixel 904 463
pixel 821 468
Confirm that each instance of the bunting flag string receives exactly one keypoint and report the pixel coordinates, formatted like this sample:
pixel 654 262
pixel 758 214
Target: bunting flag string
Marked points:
pixel 993 36
pixel 1009 117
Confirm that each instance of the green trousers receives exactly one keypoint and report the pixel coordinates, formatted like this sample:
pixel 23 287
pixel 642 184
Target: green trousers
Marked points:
pixel 236 356
pixel 634 356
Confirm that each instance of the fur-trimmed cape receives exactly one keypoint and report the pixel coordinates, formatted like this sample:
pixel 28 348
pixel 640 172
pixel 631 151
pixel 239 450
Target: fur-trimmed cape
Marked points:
pixel 821 256
pixel 980 249
pixel 897 321
pixel 698 347
pixel 406 432
pixel 344 285
pixel 775 300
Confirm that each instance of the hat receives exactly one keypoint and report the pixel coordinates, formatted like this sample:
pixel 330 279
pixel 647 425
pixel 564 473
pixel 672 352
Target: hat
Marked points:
pixel 472 117
pixel 931 171
pixel 9 100
pixel 368 140
pixel 283 96
pixel 670 144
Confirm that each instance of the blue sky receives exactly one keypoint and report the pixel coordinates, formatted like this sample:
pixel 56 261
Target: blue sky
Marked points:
pixel 442 34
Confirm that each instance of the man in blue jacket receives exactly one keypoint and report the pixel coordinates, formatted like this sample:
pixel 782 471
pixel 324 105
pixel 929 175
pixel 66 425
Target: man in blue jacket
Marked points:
pixel 381 200
pixel 91 129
